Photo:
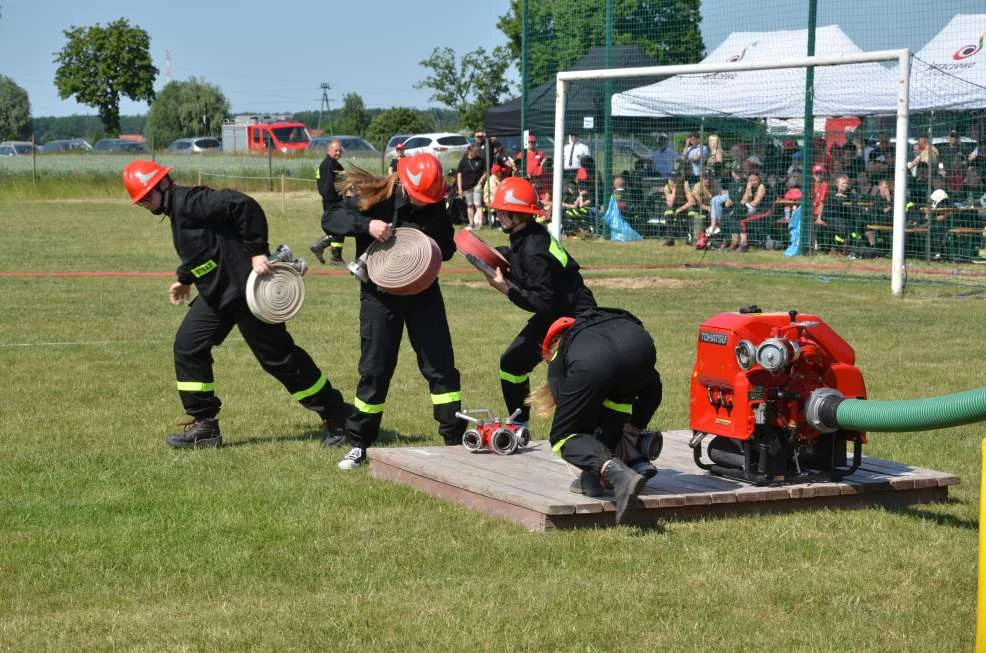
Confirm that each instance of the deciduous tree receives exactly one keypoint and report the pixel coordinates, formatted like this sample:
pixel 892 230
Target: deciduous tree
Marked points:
pixel 181 109
pixel 470 85
pixel 15 111
pixel 560 32
pixel 395 121
pixel 352 119
pixel 99 65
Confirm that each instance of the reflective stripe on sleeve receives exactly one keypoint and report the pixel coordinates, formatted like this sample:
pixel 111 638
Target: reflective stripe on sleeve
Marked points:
pixel 558 252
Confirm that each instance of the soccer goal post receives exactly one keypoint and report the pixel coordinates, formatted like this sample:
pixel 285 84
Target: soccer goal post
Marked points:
pixel 894 103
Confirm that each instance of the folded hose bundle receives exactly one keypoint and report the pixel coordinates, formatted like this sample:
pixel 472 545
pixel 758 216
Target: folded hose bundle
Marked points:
pixel 479 253
pixel 406 264
pixel 278 296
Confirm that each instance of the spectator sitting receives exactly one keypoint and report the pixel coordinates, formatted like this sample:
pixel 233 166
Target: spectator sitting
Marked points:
pixel 675 200
pixel 879 161
pixel 544 198
pixel 693 157
pixel 954 163
pixel 972 185
pixel 925 153
pixel 752 200
pixel 882 212
pixel 700 200
pixel 663 157
pixel 717 158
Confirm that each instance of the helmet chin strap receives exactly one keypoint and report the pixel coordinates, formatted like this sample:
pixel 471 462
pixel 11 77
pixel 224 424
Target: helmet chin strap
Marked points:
pixel 514 223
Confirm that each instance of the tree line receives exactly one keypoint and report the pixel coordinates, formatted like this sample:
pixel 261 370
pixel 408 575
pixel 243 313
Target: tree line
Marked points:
pixel 560 32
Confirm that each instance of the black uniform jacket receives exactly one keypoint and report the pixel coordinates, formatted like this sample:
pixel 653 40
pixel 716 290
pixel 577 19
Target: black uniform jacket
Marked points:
pixel 345 218
pixel 215 233
pixel 327 182
pixel 543 277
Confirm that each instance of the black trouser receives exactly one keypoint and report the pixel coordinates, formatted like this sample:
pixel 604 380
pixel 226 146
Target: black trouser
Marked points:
pixel 205 327
pixel 382 318
pixel 518 361
pixel 612 381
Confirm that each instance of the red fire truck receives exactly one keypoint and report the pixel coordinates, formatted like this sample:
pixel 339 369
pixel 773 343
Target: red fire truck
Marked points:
pixel 254 134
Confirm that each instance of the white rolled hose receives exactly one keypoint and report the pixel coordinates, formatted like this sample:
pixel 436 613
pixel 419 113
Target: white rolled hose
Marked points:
pixel 406 264
pixel 276 297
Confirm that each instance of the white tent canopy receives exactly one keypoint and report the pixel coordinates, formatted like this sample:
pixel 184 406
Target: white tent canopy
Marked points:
pixel 852 89
pixel 949 73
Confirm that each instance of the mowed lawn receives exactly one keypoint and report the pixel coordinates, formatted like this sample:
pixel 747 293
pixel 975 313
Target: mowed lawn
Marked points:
pixel 109 540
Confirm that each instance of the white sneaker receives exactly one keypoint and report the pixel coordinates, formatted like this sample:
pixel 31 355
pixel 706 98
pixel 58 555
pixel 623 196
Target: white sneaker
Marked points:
pixel 353 459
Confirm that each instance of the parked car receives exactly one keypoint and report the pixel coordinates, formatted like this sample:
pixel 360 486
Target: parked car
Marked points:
pixel 352 146
pixel 117 145
pixel 16 148
pixel 388 150
pixel 66 145
pixel 448 147
pixel 196 145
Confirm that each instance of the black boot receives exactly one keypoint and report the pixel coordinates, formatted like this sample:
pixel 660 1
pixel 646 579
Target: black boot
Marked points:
pixel 200 433
pixel 317 248
pixel 587 484
pixel 625 482
pixel 632 456
pixel 337 256
pixel 335 425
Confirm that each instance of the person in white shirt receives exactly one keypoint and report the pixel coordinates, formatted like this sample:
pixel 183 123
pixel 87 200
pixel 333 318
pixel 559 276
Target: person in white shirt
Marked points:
pixel 573 151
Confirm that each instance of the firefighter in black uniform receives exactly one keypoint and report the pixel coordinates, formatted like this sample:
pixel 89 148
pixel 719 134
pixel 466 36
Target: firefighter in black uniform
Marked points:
pixel 543 279
pixel 220 236
pixel 412 197
pixel 604 390
pixel 325 176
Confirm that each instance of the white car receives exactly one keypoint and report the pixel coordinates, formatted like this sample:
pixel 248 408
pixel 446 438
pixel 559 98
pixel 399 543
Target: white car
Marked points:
pixel 447 146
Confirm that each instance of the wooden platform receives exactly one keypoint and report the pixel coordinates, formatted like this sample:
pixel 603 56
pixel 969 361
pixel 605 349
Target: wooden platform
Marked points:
pixel 531 486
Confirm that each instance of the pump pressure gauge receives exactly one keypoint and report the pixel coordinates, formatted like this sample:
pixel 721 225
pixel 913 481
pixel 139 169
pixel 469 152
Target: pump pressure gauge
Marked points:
pixel 773 354
pixel 745 353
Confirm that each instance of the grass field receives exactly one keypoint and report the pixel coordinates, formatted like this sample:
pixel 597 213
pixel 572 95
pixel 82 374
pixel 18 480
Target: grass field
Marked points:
pixel 111 541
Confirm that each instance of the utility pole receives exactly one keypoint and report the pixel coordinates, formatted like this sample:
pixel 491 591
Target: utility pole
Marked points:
pixel 325 103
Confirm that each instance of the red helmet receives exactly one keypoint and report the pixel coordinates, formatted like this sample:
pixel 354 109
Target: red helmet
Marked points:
pixel 556 330
pixel 518 195
pixel 139 177
pixel 421 176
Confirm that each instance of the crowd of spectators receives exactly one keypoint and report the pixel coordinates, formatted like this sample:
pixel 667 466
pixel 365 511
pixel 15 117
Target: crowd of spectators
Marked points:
pixel 740 195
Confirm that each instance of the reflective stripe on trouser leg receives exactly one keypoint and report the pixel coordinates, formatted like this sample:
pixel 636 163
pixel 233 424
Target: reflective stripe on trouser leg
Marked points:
pixel 292 366
pixel 583 450
pixel 201 329
pixel 444 408
pixel 517 362
pixel 380 330
pixel 428 334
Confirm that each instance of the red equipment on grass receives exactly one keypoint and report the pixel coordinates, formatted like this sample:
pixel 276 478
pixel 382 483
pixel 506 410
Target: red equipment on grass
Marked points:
pixel 490 433
pixel 754 373
pixel 485 258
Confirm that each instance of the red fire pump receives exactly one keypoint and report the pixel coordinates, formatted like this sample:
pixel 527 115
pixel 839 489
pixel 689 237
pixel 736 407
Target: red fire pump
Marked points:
pixel 753 376
pixel 490 433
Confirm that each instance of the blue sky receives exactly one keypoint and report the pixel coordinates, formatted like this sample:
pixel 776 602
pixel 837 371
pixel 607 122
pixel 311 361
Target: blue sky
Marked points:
pixel 269 57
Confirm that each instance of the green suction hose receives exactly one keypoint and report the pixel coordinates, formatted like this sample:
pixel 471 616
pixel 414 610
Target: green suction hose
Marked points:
pixel 829 411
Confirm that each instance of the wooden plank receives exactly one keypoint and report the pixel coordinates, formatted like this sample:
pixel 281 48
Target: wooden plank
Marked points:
pixel 531 487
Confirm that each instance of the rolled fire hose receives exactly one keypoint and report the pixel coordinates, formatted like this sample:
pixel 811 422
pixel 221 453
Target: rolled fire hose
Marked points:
pixel 828 410
pixel 278 296
pixel 406 264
